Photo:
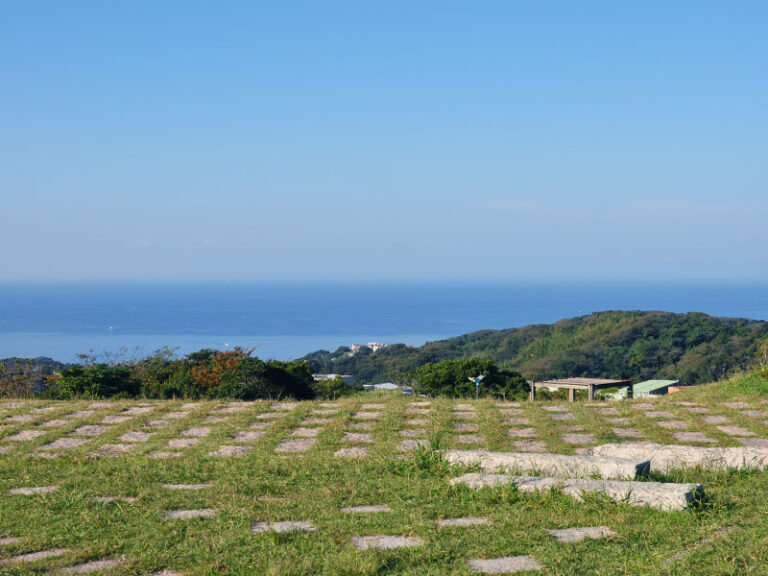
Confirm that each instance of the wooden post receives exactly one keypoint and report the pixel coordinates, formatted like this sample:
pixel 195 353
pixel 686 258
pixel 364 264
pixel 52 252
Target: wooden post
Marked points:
pixel 591 392
pixel 630 391
pixel 571 395
pixel 533 391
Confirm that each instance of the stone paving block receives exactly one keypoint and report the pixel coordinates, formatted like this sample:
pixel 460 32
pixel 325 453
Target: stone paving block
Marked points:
pixel 12 405
pixel 45 455
pixel 562 416
pixel 214 419
pixel 283 526
pixel 578 438
pixel 359 437
pixel 506 565
pixel 366 509
pixel 571 428
pixel 464 427
pixel 366 415
pixel 511 412
pixel 462 522
pixel 463 408
pixel 80 414
pixel 191 406
pixel 161 455
pixel 295 445
pixel 329 405
pixel 285 406
pixel 306 432
pixel 469 439
pixel 373 406
pixel 197 432
pixel 156 424
pixel 385 542
pixel 34 556
pixel 659 414
pixel 226 451
pixel 656 495
pixel 176 415
pixel 189 514
pixel 555 408
pixel 44 410
pixel 25 436
pixel 323 412
pixel 735 431
pixel 185 486
pixel 182 442
pixel 271 416
pixel 417 433
pixel 672 424
pixel 581 533
pixel 694 437
pixel 108 499
pixel 356 452
pixel 530 446
pixel 643 406
pixel 53 423
pixel 116 419
pixel 516 422
pixel 20 418
pixel 64 443
pixel 113 450
pixel 248 436
pixel 618 421
pixel 697 410
pixel 627 432
pixel 463 415
pixel 736 404
pixel 8 540
pixel 416 422
pixel 135 436
pixel 752 413
pixel 672 457
pixel 521 433
pixel 32 490
pixel 88 567
pixel 91 430
pixel 715 419
pixel 410 444
pixel 417 411
pixel 608 411
pixel 138 410
pixel 561 465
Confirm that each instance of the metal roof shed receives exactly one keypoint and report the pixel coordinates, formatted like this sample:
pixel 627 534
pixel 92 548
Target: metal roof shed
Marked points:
pixel 573 384
pixel 649 388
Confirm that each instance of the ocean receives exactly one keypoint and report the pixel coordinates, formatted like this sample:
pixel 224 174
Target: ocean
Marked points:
pixel 287 320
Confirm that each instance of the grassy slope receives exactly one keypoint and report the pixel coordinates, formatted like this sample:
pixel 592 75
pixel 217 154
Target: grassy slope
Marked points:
pixel 694 348
pixel 416 488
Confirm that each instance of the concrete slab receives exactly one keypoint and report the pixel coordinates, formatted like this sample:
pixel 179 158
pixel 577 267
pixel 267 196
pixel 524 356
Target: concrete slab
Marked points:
pixel 416 422
pixel 418 411
pixel 562 416
pixel 385 542
pixel 672 424
pixel 185 486
pixel 627 432
pixel 113 450
pixel 656 495
pixel 32 490
pixel 694 437
pixel 559 465
pixel 571 428
pixel 285 406
pixel 511 412
pixel 366 509
pixel 618 421
pixel 697 410
pixel 161 455
pixel 91 430
pixel 248 435
pixel 214 419
pixel 530 446
pixel 316 421
pixel 463 407
pixel 357 437
pixel 607 411
pixel 356 452
pixel 463 415
pixel 108 499
pixel 156 424
pixel 362 426
pixel 581 533
pixel 673 457
pixel 89 567
pixel 462 522
pixel 464 427
pixel 283 526
pixel 735 431
pixel 754 442
pixel 53 423
pixel 176 415
pixel 715 420
pixel 25 436
pixel 659 414
pixel 578 439
pixel 138 410
pixel 34 556
pixel 521 433
pixel 295 445
pixel 366 415
pixel 20 418
pixel 136 437
pixel 736 404
pixel 506 565
pixel 116 419
pixel 189 514
pixel 410 445
pixel 197 432
pixel 305 432
pixel 272 415
pixel 555 408
pixel 323 412
pixel 373 406
pixel 516 422
pixel 9 540
pixel 64 444
pixel 415 433
pixel 181 443
pixel 470 439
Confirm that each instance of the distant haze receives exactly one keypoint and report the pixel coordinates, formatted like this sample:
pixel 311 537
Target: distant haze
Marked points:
pixel 395 140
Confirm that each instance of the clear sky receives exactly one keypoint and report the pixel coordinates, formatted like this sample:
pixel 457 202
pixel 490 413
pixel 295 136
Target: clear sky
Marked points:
pixel 383 140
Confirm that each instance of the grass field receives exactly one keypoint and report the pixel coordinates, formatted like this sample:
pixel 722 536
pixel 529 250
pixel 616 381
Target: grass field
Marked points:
pixel 133 452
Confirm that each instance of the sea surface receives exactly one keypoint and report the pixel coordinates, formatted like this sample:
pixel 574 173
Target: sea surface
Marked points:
pixel 288 320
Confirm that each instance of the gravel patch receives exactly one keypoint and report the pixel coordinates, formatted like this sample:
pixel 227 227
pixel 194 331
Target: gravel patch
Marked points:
pixel 385 542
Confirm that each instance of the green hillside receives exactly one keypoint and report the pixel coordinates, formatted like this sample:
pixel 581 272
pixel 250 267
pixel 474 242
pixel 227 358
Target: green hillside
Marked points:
pixel 694 348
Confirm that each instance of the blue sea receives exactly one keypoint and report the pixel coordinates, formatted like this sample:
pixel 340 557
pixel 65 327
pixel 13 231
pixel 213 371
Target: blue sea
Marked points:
pixel 288 320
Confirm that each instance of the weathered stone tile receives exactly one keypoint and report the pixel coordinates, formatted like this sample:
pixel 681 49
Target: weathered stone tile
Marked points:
pixel 138 410
pixel 469 439
pixel 176 415
pixel 373 407
pixel 362 426
pixel 53 423
pixel 562 416
pixel 385 542
pixel 697 410
pixel 409 445
pixel 88 567
pixel 185 486
pixel 20 418
pixel 554 408
pixel 506 565
pixel 306 432
pixel 643 406
pixel 618 421
pixel 358 437
pixel 32 490
pixel 134 436
pixel 366 509
pixel 116 419
pixel 753 442
pixel 516 422
pixel 578 439
pixel 627 432
pixel 189 514
pixel 191 406
pixel 329 405
pixel 270 416
pixel 182 442
pixel 156 424
pixel 578 534
pixel 530 446
pixel 248 436
pixel 752 413
pixel 607 411
pixel 672 424
pixel 735 431
pixel 8 540
pixel 521 433
pixel 356 452
pixel 462 522
pixel 114 450
pixel 316 421
pixel 323 412
pixel 418 411
pixel 736 404
pixel 196 432
pixel 571 428
pixel 659 414
pixel 285 406
pixel 108 499
pixel 283 526
pixel 64 443
pixel 413 433
pixel 511 412
pixel 694 437
pixel 214 419
pixel 416 422
pixel 34 556
pixel 161 455
pixel 91 430
pixel 295 445
pixel 463 427
pixel 715 419
pixel 422 403
pixel 366 415
pixel 463 415
pixel 25 436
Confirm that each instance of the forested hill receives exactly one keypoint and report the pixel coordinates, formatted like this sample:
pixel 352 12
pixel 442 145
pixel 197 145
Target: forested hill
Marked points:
pixel 694 348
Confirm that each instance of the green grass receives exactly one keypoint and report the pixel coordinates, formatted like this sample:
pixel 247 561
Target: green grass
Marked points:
pixel 314 487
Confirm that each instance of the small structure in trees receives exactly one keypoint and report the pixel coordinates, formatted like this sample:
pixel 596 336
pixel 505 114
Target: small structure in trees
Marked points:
pixel 588 384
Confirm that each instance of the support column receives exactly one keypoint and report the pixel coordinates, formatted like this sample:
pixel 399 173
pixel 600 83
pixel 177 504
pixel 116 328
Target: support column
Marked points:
pixel 571 395
pixel 533 392
pixel 630 391
pixel 591 392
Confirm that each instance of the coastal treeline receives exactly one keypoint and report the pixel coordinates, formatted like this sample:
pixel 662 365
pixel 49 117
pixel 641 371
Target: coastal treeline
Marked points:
pixel 694 348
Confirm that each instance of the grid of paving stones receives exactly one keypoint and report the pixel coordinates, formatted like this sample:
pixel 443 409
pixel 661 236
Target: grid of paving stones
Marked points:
pixel 351 431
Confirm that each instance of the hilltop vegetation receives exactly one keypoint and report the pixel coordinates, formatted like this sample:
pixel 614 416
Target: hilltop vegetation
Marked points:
pixel 694 348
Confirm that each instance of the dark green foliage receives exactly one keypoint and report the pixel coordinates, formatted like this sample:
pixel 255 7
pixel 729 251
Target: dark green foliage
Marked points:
pixel 452 378
pixel 694 348
pixel 97 381
pixel 333 388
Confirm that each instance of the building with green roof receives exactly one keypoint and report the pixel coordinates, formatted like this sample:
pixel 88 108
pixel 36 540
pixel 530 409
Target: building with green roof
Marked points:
pixel 648 388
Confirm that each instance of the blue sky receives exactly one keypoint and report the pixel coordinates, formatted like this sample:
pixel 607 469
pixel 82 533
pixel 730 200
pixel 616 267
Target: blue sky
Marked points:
pixel 393 140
